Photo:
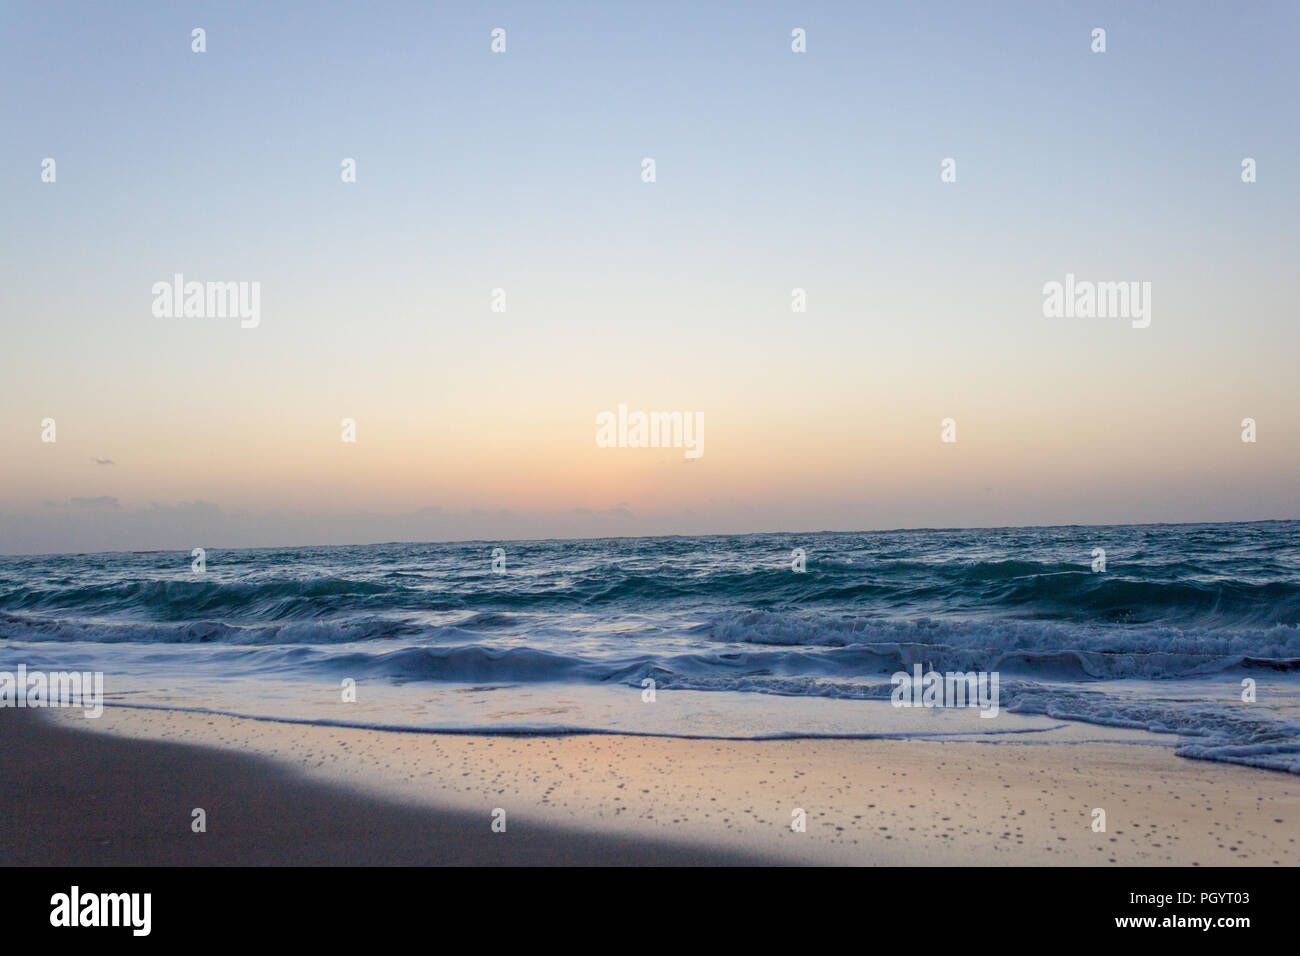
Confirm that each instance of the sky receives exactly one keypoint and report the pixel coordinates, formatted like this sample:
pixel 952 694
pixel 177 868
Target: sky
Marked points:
pixel 522 171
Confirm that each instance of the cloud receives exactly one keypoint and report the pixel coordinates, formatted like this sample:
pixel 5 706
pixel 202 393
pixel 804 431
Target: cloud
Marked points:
pixel 103 461
pixel 103 501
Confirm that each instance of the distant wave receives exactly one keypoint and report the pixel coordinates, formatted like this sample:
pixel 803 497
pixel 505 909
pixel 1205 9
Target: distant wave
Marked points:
pixel 1186 593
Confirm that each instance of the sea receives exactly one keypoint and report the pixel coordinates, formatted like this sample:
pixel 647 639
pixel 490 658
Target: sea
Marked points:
pixel 1185 636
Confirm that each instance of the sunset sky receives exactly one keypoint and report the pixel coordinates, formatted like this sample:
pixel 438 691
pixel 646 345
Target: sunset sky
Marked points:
pixel 522 171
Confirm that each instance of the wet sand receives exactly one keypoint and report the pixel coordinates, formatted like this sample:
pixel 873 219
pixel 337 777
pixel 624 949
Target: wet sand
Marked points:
pixel 69 798
pixel 120 789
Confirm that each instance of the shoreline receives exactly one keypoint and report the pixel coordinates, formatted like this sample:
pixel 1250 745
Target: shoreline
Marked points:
pixel 72 799
pixel 300 794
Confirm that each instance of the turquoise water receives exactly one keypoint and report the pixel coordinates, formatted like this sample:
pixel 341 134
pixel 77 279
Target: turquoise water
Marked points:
pixel 1161 640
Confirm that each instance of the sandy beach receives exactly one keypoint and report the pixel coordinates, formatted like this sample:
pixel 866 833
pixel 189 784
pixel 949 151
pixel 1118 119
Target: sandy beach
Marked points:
pixel 122 788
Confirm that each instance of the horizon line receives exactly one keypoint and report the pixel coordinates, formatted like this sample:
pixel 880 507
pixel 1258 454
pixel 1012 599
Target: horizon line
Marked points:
pixel 643 537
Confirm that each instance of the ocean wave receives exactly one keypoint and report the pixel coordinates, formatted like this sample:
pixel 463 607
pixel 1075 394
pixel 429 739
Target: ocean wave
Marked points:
pixel 1214 604
pixel 1193 591
pixel 773 641
pixel 1225 733
pixel 1065 651
pixel 18 627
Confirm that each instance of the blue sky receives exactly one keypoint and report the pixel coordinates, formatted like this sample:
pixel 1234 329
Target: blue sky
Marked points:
pixel 775 170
